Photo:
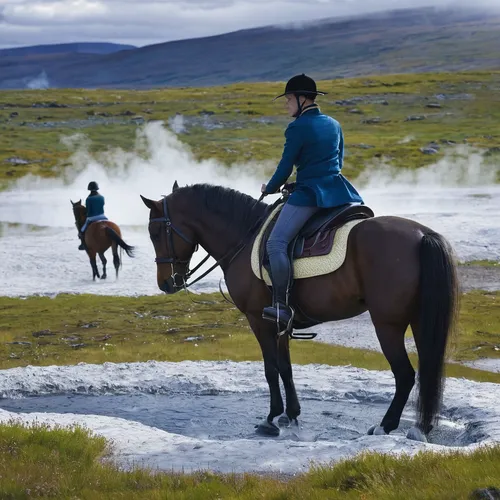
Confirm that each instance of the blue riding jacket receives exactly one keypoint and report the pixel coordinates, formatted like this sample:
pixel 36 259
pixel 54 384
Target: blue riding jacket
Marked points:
pixel 95 209
pixel 315 145
pixel 94 204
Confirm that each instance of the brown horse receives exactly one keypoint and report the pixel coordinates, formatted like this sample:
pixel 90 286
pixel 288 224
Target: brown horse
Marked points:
pixel 99 236
pixel 400 271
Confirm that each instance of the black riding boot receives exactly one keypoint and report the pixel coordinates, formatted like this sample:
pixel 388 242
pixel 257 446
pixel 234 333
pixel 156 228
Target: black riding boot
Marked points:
pixel 279 312
pixel 82 246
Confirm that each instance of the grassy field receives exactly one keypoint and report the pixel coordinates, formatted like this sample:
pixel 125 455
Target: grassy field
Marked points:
pixel 36 462
pixel 94 329
pixel 386 119
pixel 233 124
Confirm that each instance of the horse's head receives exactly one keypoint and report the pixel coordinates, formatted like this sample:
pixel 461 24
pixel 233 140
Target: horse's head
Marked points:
pixel 173 240
pixel 80 213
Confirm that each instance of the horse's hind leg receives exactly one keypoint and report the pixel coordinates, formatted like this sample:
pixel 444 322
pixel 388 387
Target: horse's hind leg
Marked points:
pixel 104 262
pixel 392 341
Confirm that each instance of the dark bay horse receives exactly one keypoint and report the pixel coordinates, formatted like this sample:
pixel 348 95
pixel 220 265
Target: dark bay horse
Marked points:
pixel 400 271
pixel 99 236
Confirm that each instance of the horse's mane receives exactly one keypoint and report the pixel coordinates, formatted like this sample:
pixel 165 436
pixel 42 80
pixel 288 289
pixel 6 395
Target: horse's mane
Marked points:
pixel 240 209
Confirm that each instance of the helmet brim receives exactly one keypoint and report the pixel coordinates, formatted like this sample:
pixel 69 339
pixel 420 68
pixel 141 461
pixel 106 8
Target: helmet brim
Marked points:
pixel 303 92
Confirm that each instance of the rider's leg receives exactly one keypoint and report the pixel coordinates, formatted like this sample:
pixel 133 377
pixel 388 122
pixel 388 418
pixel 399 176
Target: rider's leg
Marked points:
pixel 291 219
pixel 81 235
pixel 82 245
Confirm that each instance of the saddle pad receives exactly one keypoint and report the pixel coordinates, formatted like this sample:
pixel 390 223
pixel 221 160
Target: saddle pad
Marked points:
pixel 307 267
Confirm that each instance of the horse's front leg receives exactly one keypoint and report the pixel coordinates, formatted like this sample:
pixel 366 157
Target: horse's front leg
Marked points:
pixel 285 370
pixel 269 347
pixel 93 263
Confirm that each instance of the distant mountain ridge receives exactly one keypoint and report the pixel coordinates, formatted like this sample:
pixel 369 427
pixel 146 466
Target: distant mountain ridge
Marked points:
pixel 64 48
pixel 403 41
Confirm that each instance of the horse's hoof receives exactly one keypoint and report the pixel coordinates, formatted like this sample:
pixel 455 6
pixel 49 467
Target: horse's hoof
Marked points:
pixel 284 421
pixel 103 277
pixel 415 434
pixel 376 430
pixel 268 429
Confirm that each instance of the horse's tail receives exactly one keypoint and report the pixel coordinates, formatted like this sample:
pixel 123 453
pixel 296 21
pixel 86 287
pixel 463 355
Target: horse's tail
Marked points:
pixel 116 238
pixel 439 303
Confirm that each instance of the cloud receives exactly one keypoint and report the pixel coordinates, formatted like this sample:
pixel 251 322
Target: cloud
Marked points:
pixel 56 21
pixel 35 12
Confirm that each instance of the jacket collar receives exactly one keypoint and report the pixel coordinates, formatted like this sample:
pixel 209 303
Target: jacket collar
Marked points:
pixel 312 108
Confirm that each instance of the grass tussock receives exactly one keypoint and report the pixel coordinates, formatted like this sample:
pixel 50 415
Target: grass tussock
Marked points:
pixel 39 462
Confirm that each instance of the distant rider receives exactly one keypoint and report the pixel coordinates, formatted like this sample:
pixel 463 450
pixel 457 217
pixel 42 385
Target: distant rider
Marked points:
pixel 95 210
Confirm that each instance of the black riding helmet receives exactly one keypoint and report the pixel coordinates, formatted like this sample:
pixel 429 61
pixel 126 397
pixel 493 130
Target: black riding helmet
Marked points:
pixel 93 186
pixel 301 85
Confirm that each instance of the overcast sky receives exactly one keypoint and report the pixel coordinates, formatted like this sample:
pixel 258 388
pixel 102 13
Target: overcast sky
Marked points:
pixel 142 22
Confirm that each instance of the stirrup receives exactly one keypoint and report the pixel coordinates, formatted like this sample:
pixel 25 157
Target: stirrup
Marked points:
pixel 289 327
pixel 303 336
pixel 276 319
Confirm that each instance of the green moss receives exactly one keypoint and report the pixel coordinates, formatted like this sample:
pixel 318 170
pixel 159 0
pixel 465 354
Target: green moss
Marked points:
pixel 108 119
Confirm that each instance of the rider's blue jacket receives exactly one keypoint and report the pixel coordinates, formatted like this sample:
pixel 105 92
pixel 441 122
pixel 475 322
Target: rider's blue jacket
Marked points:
pixel 94 204
pixel 315 145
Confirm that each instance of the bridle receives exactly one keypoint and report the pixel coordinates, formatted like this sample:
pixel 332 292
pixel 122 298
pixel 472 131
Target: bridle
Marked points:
pixel 170 229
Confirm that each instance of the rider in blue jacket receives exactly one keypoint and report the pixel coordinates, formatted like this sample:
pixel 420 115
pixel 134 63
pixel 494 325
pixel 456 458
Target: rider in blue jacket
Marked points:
pixel 95 210
pixel 315 145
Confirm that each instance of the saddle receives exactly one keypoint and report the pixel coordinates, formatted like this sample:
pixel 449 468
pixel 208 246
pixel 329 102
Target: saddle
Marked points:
pixel 101 218
pixel 317 236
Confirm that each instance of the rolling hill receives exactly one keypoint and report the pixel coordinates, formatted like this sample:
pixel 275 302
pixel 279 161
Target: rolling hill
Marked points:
pixel 404 41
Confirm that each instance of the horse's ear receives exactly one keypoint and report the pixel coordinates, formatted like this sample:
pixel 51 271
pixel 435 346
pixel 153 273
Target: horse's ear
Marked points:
pixel 149 203
pixel 175 186
pixel 72 202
